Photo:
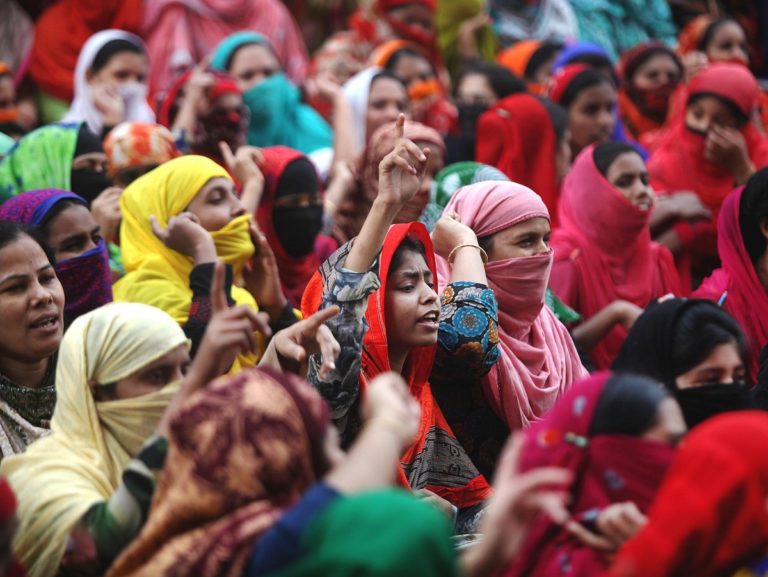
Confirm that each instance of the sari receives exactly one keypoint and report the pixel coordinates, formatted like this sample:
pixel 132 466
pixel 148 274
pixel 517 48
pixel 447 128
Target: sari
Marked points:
pixel 61 476
pixel 242 450
pixel 603 252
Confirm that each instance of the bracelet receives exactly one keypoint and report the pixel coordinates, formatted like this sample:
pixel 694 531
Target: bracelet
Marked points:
pixel 483 254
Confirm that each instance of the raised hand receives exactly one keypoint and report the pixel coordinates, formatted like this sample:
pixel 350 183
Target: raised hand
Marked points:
pixel 184 234
pixel 389 402
pixel 106 212
pixel 402 170
pixel 449 233
pixel 108 102
pixel 243 163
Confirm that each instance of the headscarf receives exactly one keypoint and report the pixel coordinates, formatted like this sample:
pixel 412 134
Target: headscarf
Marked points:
pixel 448 20
pixel 8 506
pixel 134 96
pixel 357 90
pixel 607 468
pixel 278 116
pixel 133 144
pixel 242 452
pixel 155 274
pixel 6 144
pixel 538 360
pixel 516 136
pixel 603 252
pixel 80 464
pixel 709 517
pixel 679 163
pixel 41 159
pixel 542 20
pixel 516 57
pixel 691 34
pixel 746 298
pixel 87 279
pixel 454 478
pixel 294 272
pixel 419 547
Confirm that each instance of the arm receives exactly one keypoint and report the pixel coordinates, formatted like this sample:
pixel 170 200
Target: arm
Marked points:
pixel 595 329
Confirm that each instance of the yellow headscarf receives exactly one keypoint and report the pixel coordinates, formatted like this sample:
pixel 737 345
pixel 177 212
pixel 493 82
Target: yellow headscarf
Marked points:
pixel 61 476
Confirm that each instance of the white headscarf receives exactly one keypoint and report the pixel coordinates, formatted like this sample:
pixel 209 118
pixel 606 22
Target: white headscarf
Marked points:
pixel 357 90
pixel 83 108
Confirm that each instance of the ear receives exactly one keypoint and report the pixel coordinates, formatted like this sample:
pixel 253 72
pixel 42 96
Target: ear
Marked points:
pixel 764 227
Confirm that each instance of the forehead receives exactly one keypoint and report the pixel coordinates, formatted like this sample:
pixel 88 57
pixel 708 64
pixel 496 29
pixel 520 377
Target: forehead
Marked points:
pixel 658 60
pixel 603 92
pixel 216 182
pixel 627 162
pixel 710 104
pixel 387 87
pixel 71 219
pixel 23 252
pixel 412 261
pixel 253 55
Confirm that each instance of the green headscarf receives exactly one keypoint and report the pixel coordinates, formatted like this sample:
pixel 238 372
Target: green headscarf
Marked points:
pixel 6 143
pixel 382 533
pixel 41 159
pixel 278 116
pixel 449 18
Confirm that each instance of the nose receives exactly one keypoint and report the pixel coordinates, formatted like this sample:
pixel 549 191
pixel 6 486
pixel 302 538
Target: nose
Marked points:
pixel 237 207
pixel 393 112
pixel 428 294
pixel 606 121
pixel 40 295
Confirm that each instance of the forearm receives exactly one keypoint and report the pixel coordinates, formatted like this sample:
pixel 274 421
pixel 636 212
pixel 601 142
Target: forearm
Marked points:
pixel 595 329
pixel 468 263
pixel 251 194
pixel 186 119
pixel 344 148
pixel 371 238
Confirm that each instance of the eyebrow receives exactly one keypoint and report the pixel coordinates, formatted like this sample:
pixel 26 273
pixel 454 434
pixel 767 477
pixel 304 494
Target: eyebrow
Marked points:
pixel 13 277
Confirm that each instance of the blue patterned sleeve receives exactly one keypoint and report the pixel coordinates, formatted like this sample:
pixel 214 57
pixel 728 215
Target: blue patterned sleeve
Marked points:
pixel 468 338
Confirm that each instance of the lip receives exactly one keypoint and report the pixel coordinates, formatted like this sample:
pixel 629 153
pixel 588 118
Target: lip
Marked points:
pixel 428 322
pixel 46 329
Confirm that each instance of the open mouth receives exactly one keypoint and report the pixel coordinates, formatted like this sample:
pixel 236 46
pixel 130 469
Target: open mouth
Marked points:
pixel 430 319
pixel 46 322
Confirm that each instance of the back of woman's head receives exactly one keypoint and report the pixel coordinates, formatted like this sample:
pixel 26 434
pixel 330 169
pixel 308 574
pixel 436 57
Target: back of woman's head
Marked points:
pixel 753 212
pixel 628 405
pixel 558 116
pixel 606 152
pixel 11 232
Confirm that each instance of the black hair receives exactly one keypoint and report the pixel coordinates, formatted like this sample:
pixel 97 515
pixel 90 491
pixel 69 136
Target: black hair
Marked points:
pixel 606 152
pixel 110 49
pixel 390 76
pixel 409 244
pixel 711 30
pixel 583 80
pixel 698 330
pixel 753 209
pixel 406 52
pixel 594 60
pixel 741 118
pixel 546 51
pixel 502 81
pixel 87 141
pixel 633 65
pixel 628 405
pixel 11 232
pixel 557 116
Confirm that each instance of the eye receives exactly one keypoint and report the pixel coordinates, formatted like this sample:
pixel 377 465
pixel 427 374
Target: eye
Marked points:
pixel 406 288
pixel 15 288
pixel 157 377
pixel 97 238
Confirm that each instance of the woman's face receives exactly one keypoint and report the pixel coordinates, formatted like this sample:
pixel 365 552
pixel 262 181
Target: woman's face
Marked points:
pixel 90 162
pixel 413 69
pixel 591 116
pixel 659 70
pixel 216 204
pixel 670 425
pixel 122 68
pixel 169 368
pixel 252 64
pixel 708 111
pixel 527 238
pixel 475 89
pixel 387 99
pixel 417 16
pixel 413 309
pixel 72 232
pixel 629 176
pixel 31 301
pixel 729 44
pixel 413 209
pixel 723 366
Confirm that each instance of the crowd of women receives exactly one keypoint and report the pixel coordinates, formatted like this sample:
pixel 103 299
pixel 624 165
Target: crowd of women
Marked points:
pixel 466 288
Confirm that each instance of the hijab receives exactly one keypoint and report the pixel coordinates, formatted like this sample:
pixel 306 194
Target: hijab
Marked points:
pixel 80 464
pixel 603 252
pixel 242 450
pixel 278 115
pixel 134 95
pixel 138 144
pixel 608 467
pixel 709 517
pixel 357 90
pixel 454 478
pixel 87 278
pixel 538 360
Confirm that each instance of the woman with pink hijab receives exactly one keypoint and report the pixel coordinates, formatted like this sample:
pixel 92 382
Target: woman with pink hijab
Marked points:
pixel 538 360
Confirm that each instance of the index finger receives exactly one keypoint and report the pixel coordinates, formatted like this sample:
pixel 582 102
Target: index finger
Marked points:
pixel 204 63
pixel 321 316
pixel 400 127
pixel 227 153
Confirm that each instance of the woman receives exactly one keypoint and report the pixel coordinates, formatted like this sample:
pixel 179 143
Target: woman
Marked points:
pixel 277 114
pixel 63 156
pixel 604 256
pixel 177 220
pixel 538 360
pixel 710 528
pixel 589 97
pixel 616 433
pixel 110 82
pixel 527 139
pixel 738 285
pixel 717 39
pixel 84 490
pixel 531 60
pixel 650 73
pixel 135 148
pixel 68 227
pixel 709 149
pixel 32 300
pixel 696 350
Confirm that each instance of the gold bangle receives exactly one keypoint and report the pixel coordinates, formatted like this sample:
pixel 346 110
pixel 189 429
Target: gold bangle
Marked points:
pixel 483 254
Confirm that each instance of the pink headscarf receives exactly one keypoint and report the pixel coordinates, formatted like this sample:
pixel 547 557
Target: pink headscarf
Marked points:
pixel 746 300
pixel 538 358
pixel 603 252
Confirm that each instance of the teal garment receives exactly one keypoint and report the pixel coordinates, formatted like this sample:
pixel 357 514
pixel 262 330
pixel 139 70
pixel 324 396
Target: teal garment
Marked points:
pixel 382 533
pixel 6 143
pixel 618 25
pixel 41 159
pixel 277 114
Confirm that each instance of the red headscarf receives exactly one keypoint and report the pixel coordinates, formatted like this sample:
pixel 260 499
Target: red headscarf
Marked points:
pixel 416 371
pixel 746 301
pixel 608 468
pixel 517 137
pixel 562 80
pixel 222 84
pixel 603 252
pixel 709 518
pixel 294 272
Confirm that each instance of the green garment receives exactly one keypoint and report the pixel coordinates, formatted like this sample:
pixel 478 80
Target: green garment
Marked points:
pixel 382 533
pixel 449 18
pixel 563 312
pixel 42 159
pixel 6 143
